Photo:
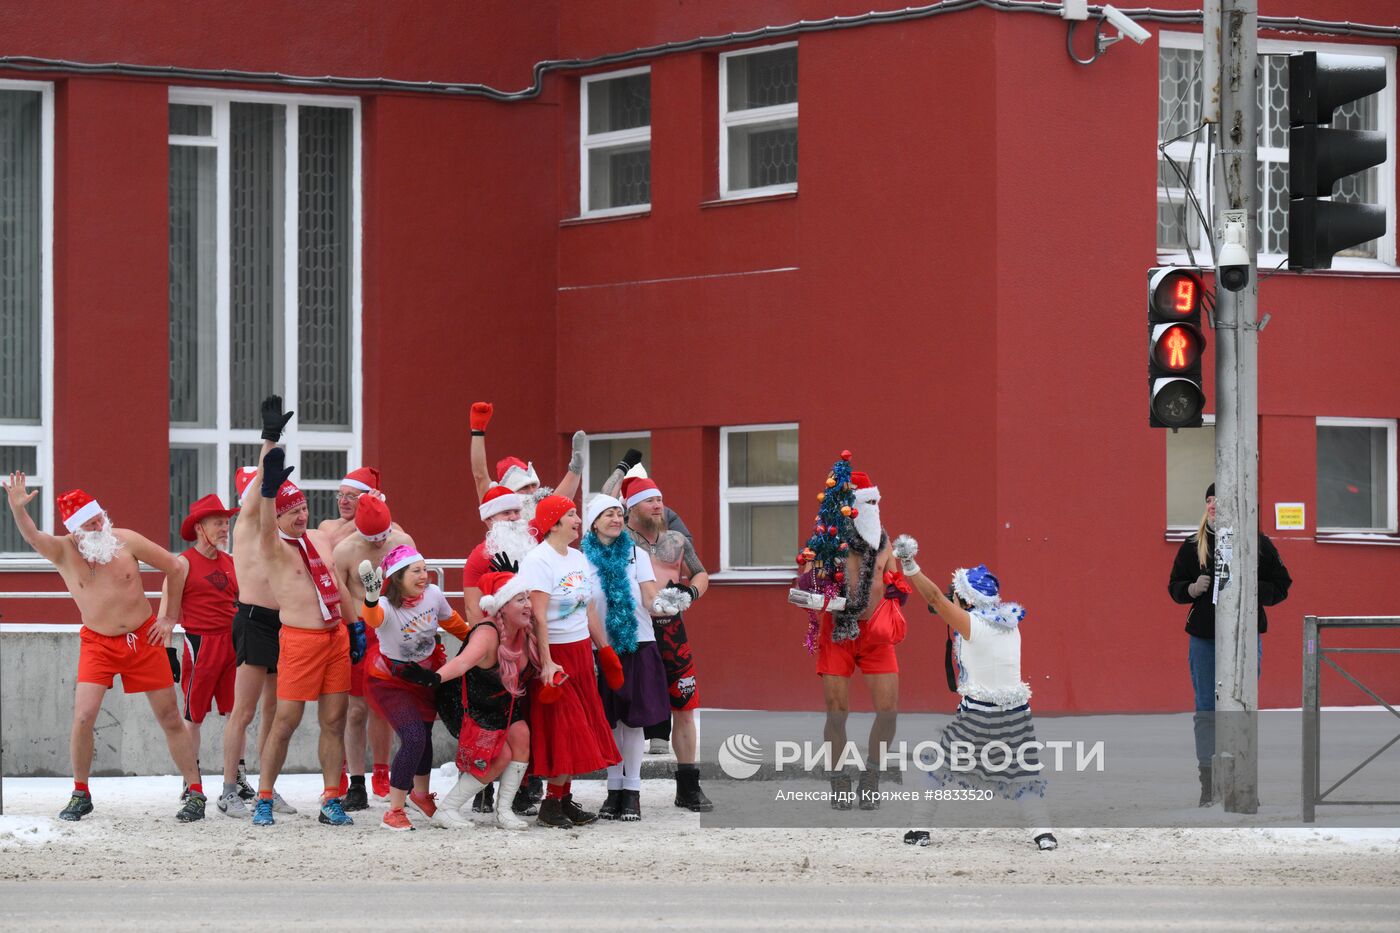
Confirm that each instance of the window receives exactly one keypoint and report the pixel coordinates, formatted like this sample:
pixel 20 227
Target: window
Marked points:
pixel 26 299
pixel 615 132
pixel 1356 475
pixel 758 497
pixel 1179 115
pixel 758 121
pixel 1190 469
pixel 264 288
pixel 604 452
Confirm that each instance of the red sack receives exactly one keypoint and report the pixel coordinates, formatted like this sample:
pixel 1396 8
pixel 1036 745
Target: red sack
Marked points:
pixel 887 625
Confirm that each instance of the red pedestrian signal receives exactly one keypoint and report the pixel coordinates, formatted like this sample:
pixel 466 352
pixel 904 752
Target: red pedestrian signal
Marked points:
pixel 1175 344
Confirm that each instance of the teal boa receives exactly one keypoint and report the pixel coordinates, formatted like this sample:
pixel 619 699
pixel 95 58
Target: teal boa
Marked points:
pixel 614 562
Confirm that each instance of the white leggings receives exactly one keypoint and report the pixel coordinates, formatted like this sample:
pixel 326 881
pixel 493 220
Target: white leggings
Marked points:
pixel 632 744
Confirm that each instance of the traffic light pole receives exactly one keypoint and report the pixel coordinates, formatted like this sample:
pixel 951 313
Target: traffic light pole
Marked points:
pixel 1237 423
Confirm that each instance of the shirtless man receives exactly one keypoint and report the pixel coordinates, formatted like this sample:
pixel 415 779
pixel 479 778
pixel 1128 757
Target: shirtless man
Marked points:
pixel 256 624
pixel 314 645
pixel 361 722
pixel 682 580
pixel 374 536
pixel 120 635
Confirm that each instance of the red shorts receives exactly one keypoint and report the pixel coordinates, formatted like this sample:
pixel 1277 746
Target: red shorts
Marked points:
pixel 206 674
pixel 143 666
pixel 358 687
pixel 311 664
pixel 844 657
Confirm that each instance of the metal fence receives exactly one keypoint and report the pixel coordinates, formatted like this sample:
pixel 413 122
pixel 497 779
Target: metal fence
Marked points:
pixel 1314 654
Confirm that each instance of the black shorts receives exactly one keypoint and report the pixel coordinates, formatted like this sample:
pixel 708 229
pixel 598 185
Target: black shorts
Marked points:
pixel 255 636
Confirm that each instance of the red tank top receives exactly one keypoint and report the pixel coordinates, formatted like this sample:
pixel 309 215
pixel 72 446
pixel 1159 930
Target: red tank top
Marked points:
pixel 210 592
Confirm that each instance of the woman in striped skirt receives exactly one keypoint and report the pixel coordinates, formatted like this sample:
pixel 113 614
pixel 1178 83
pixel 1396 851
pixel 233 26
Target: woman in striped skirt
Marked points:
pixel 990 744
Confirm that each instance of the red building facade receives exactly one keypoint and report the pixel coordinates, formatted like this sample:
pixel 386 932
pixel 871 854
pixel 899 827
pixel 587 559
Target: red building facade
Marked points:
pixel 949 282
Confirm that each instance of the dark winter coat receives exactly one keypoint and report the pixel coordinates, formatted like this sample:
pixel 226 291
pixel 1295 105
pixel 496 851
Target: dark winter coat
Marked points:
pixel 1274 582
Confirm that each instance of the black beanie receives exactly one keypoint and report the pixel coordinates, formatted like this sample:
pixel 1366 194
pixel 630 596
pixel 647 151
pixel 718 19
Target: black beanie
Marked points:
pixel 1210 491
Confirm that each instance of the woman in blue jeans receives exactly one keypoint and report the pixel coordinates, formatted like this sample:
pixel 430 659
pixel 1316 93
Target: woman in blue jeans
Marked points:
pixel 1193 582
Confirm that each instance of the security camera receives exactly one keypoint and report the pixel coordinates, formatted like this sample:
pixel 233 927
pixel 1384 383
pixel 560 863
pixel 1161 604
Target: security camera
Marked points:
pixel 1125 25
pixel 1232 271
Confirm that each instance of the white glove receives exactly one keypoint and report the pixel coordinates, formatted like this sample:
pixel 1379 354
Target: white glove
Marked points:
pixel 816 601
pixel 670 602
pixel 905 548
pixel 580 444
pixel 1200 586
pixel 373 579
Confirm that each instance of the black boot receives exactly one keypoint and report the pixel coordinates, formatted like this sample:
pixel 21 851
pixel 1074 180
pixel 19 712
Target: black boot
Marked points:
pixel 356 798
pixel 485 800
pixel 631 809
pixel 870 790
pixel 612 806
pixel 574 813
pixel 1207 787
pixel 522 804
pixel 688 792
pixel 552 814
pixel 840 792
pixel 535 787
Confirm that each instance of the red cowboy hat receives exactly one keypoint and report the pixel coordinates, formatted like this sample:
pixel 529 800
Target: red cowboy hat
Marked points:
pixel 209 506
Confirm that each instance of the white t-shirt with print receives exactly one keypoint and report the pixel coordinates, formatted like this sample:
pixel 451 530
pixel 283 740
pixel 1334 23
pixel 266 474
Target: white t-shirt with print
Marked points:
pixel 567 579
pixel 640 571
pixel 409 633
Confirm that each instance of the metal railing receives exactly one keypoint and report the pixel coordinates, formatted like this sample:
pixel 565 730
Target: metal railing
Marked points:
pixel 1314 654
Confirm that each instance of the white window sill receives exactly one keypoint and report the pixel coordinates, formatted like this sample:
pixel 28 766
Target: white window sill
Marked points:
pixel 1383 538
pixel 744 577
pixel 621 213
pixel 751 194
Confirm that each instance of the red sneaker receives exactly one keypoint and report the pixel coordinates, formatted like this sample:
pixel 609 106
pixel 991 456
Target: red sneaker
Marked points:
pixel 380 781
pixel 425 804
pixel 396 821
pixel 344 782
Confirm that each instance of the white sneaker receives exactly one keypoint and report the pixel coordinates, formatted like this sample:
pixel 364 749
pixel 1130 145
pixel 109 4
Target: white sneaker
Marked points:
pixel 281 806
pixel 449 818
pixel 659 747
pixel 231 804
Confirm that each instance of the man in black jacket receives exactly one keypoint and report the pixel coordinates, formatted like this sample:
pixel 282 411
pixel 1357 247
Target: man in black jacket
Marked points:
pixel 1193 582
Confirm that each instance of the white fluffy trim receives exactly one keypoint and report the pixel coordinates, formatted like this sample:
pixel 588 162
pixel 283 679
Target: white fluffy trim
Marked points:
pixel 492 603
pixel 1003 697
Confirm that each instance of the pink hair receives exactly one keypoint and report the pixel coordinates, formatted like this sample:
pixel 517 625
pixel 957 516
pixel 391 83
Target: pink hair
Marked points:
pixel 516 651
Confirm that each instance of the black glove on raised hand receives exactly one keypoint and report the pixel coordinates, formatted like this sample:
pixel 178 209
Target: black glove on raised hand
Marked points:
pixel 629 459
pixel 274 419
pixel 503 564
pixel 275 472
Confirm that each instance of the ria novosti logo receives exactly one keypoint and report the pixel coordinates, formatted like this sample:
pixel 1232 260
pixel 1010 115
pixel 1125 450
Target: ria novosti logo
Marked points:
pixel 740 756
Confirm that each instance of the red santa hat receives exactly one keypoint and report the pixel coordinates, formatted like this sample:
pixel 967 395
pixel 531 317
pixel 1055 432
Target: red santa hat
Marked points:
pixel 241 479
pixel 516 474
pixel 498 499
pixel 365 479
pixel 76 508
pixel 372 519
pixel 499 588
pixel 548 513
pixel 288 498
pixel 639 489
pixel 865 490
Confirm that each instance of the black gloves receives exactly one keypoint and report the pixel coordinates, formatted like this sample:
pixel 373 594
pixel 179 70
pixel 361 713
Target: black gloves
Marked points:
pixel 273 418
pixel 629 459
pixel 418 675
pixel 503 564
pixel 676 585
pixel 275 472
pixel 174 657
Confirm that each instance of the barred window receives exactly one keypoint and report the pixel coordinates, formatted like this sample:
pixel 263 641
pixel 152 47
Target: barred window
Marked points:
pixel 615 121
pixel 1184 169
pixel 758 121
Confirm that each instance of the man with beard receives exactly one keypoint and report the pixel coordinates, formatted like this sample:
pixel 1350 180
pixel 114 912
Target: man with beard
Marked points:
pixel 314 645
pixel 120 636
pixel 682 580
pixel 517 475
pixel 207 606
pixel 374 536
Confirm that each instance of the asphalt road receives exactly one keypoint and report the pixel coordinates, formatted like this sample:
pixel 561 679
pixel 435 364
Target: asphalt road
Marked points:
pixel 293 905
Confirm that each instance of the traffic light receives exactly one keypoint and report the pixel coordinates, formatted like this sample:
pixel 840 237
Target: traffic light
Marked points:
pixel 1175 343
pixel 1319 156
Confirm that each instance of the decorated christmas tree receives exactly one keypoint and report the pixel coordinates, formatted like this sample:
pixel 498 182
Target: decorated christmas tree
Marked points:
pixel 823 559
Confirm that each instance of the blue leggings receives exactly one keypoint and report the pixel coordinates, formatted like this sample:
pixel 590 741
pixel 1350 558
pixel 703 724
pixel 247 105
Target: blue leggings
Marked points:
pixel 1202 660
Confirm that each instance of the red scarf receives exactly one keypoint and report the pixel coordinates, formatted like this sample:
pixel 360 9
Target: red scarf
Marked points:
pixel 326 590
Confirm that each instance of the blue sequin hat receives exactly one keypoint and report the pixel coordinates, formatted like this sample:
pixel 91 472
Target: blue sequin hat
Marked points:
pixel 981 590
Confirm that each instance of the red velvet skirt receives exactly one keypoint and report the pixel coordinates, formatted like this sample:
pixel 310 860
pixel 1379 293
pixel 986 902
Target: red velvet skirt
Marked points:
pixel 570 736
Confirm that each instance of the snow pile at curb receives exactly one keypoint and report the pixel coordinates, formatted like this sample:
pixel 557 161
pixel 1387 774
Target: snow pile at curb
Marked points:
pixel 28 831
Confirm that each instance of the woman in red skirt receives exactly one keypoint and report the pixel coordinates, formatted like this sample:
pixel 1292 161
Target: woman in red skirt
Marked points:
pixel 568 732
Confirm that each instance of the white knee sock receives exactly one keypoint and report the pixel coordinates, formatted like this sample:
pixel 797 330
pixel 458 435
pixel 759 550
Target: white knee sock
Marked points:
pixel 633 745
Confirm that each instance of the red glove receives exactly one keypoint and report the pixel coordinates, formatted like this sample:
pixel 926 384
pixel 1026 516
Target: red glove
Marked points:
pixel 550 693
pixel 612 667
pixel 481 415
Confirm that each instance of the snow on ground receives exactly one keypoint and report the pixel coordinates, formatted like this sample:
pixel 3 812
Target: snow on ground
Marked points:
pixel 132 835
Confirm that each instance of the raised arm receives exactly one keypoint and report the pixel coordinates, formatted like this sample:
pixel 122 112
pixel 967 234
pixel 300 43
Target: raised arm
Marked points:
pixel 480 418
pixel 905 548
pixel 614 480
pixel 49 547
pixel 273 474
pixel 573 477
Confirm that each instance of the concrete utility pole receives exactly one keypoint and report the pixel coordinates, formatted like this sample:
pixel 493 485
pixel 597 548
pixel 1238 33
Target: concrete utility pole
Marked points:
pixel 1236 762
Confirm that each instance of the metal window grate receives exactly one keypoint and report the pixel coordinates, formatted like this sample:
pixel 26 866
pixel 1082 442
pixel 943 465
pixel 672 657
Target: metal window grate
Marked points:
pixel 20 267
pixel 323 267
pixel 192 286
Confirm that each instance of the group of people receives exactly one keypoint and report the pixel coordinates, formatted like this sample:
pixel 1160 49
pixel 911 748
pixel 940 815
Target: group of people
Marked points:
pixel 573 647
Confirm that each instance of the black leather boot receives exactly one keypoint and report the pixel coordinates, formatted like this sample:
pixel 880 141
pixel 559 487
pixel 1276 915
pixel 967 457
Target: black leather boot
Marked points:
pixel 688 792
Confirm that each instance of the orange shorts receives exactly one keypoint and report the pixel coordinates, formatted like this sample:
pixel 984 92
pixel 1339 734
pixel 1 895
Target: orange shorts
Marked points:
pixel 143 666
pixel 842 658
pixel 311 664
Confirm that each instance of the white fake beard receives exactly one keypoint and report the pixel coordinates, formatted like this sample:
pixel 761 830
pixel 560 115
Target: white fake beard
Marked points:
pixel 511 538
pixel 528 503
pixel 100 546
pixel 867 522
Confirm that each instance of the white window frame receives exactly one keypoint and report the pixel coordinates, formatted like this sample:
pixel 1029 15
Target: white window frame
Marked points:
pixel 611 436
pixel 1385 260
pixel 1182 532
pixel 40 436
pixel 742 118
pixel 1390 463
pixel 759 494
pixel 223 435
pixel 587 143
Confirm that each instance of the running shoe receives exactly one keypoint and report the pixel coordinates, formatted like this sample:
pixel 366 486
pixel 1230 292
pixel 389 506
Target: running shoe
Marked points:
pixel 333 813
pixel 262 812
pixel 658 747
pixel 245 790
pixel 79 806
pixel 185 793
pixel 281 806
pixel 396 821
pixel 193 810
pixel 380 781
pixel 231 804
pixel 425 804
pixel 356 798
